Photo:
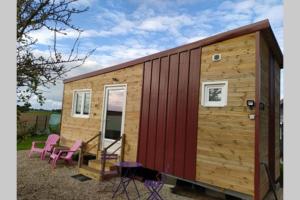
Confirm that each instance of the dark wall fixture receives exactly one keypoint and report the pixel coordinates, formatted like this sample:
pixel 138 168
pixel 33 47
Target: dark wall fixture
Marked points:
pixel 261 106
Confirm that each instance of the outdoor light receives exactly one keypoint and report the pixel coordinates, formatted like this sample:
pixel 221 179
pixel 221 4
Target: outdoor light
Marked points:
pixel 250 104
pixel 115 79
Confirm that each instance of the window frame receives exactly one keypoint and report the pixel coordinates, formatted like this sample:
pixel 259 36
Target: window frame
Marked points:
pixel 74 101
pixel 205 93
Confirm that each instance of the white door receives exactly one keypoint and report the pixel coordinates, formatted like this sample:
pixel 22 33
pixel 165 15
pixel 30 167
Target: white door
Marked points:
pixel 113 115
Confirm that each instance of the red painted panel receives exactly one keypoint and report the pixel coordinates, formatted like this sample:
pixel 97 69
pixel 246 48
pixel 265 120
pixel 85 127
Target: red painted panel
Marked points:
pixel 192 113
pixel 162 113
pixel 143 135
pixel 180 136
pixel 151 143
pixel 171 115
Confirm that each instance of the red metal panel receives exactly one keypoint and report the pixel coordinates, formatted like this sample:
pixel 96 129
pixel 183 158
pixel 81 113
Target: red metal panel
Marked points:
pixel 180 136
pixel 192 113
pixel 143 135
pixel 171 115
pixel 151 147
pixel 162 113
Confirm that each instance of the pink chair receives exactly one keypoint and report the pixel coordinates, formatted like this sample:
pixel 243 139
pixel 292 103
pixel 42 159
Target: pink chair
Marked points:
pixel 51 140
pixel 64 154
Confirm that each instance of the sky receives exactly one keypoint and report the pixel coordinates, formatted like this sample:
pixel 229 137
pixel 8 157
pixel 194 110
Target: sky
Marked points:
pixel 123 30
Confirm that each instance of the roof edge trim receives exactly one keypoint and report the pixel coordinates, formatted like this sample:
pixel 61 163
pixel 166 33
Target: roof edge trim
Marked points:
pixel 251 28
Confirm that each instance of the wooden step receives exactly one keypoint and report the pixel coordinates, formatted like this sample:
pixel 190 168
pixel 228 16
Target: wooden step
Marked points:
pixel 96 164
pixel 100 152
pixel 96 174
pixel 109 174
pixel 90 172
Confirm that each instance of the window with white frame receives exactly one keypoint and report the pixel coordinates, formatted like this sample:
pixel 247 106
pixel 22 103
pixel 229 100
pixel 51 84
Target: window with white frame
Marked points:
pixel 81 103
pixel 214 94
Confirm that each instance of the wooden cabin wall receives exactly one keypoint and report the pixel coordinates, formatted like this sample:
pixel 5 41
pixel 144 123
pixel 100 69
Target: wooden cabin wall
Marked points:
pixel 225 144
pixel 84 128
pixel 277 120
pixel 264 117
pixel 267 63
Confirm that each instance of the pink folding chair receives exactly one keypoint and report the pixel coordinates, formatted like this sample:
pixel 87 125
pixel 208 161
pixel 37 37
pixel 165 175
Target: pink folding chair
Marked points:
pixel 64 154
pixel 49 143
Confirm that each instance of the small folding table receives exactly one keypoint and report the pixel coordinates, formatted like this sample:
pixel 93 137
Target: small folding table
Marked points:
pixel 127 171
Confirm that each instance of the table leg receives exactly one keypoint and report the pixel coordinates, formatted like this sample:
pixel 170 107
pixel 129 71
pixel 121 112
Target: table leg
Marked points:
pixel 115 192
pixel 124 182
pixel 124 188
pixel 136 188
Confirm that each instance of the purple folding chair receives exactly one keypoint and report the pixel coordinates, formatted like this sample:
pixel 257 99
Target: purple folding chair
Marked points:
pixel 64 154
pixel 154 187
pixel 51 140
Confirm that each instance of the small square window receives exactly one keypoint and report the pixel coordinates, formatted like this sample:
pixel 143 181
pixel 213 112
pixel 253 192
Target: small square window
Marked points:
pixel 214 94
pixel 81 103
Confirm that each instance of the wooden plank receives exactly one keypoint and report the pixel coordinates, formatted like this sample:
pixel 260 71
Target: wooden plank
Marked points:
pixel 257 117
pixel 225 135
pixel 192 113
pixel 171 115
pixel 277 120
pixel 180 134
pixel 143 135
pixel 85 128
pixel 151 141
pixel 161 118
pixel 271 138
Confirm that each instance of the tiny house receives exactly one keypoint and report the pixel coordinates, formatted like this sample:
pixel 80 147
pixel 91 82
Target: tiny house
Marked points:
pixel 207 112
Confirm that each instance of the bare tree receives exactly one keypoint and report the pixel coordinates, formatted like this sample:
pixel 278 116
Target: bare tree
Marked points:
pixel 35 71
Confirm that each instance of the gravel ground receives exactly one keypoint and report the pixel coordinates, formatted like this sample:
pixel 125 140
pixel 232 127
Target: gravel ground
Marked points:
pixel 36 180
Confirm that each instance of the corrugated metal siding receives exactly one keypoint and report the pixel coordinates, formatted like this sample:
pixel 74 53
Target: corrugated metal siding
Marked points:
pixel 169 115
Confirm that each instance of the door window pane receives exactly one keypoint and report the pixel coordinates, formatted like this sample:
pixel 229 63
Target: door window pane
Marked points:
pixel 114 113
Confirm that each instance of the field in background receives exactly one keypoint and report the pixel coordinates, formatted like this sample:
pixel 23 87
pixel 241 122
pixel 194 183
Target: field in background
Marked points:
pixel 36 125
pixel 36 122
pixel 25 144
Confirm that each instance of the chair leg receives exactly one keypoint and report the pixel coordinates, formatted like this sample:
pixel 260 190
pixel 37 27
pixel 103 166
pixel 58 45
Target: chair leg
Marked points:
pixel 154 192
pixel 42 155
pixel 54 163
pixel 70 162
pixel 30 152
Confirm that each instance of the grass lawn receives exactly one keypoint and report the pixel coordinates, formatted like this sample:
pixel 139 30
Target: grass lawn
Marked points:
pixel 27 142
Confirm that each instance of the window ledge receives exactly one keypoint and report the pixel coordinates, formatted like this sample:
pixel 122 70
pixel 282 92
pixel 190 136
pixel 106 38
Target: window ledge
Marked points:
pixel 81 116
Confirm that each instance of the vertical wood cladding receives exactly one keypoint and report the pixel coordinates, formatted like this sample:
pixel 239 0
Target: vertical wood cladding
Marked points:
pixel 73 128
pixel 269 117
pixel 168 133
pixel 225 146
pixel 264 118
pixel 271 149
